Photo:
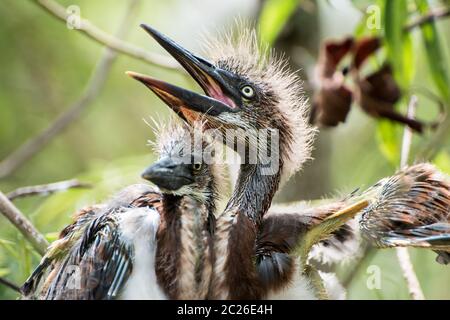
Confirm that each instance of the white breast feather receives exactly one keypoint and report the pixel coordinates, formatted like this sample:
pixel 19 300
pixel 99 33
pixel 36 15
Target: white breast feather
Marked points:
pixel 139 226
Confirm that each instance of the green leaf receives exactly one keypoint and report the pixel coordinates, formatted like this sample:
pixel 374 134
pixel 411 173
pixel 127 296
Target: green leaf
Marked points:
pixel 389 136
pixel 437 60
pixel 273 17
pixel 52 236
pixel 399 45
pixel 442 161
pixel 6 242
pixel 9 247
pixel 4 272
pixel 25 261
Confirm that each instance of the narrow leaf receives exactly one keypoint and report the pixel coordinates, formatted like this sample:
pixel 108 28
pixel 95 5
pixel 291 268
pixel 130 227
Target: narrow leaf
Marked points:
pixel 273 17
pixel 389 136
pixel 398 43
pixel 437 61
pixel 4 272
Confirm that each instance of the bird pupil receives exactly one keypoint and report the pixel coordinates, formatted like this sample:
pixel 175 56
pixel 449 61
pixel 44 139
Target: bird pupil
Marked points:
pixel 247 91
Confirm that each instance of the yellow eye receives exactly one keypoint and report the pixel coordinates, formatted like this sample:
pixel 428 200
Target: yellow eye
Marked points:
pixel 248 91
pixel 197 166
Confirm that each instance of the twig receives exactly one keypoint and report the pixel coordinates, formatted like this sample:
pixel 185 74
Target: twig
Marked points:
pixel 91 91
pixel 114 43
pixel 18 219
pixel 45 189
pixel 402 253
pixel 9 284
pixel 429 17
pixel 407 133
pixel 434 144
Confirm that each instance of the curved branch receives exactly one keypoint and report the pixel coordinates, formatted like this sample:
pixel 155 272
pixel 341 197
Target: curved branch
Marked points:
pixel 98 78
pixel 19 220
pixel 9 284
pixel 429 17
pixel 403 256
pixel 104 38
pixel 436 141
pixel 45 189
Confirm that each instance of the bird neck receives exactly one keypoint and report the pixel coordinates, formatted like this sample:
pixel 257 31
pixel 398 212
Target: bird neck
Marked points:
pixel 235 276
pixel 186 224
pixel 254 191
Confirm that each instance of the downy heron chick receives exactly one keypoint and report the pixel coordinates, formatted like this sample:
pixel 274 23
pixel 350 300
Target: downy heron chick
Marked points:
pixel 111 251
pixel 188 176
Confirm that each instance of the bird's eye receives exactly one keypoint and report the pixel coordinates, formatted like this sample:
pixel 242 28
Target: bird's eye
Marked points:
pixel 197 166
pixel 247 91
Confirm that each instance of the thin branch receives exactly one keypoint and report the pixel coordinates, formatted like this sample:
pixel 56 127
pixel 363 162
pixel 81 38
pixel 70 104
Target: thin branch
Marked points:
pixel 97 80
pixel 91 91
pixel 435 143
pixel 9 284
pixel 407 133
pixel 45 189
pixel 402 253
pixel 114 43
pixel 431 16
pixel 19 220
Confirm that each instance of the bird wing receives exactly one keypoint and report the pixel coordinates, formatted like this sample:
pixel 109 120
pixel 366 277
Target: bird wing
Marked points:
pixel 411 208
pixel 281 233
pixel 276 239
pixel 35 284
pixel 436 235
pixel 55 259
pixel 97 266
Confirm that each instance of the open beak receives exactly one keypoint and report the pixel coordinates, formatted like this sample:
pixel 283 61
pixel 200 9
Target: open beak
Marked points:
pixel 215 81
pixel 178 98
pixel 221 95
pixel 168 175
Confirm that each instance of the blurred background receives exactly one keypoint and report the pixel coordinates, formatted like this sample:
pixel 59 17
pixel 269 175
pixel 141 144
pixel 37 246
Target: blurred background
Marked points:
pixel 47 66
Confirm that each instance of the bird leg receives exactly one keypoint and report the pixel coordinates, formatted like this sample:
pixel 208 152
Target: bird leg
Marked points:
pixel 319 233
pixel 316 281
pixel 328 226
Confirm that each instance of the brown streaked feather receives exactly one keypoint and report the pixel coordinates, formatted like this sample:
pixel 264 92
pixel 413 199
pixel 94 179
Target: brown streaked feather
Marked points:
pixel 168 235
pixel 411 208
pixel 45 274
pixel 241 273
pixel 97 266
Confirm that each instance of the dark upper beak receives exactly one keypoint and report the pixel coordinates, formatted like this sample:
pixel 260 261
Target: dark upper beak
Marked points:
pixel 217 83
pixel 168 175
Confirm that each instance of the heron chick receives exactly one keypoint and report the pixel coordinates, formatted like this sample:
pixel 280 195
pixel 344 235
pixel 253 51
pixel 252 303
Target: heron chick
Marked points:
pixel 144 243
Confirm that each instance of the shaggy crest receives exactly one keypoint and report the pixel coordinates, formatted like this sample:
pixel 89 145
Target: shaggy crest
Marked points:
pixel 245 56
pixel 176 138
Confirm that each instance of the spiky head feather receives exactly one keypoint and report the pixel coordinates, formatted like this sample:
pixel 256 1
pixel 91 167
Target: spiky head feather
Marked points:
pixel 245 56
pixel 175 138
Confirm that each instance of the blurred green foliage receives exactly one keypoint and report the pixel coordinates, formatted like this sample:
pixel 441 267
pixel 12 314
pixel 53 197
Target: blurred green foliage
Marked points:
pixel 45 67
pixel 273 17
